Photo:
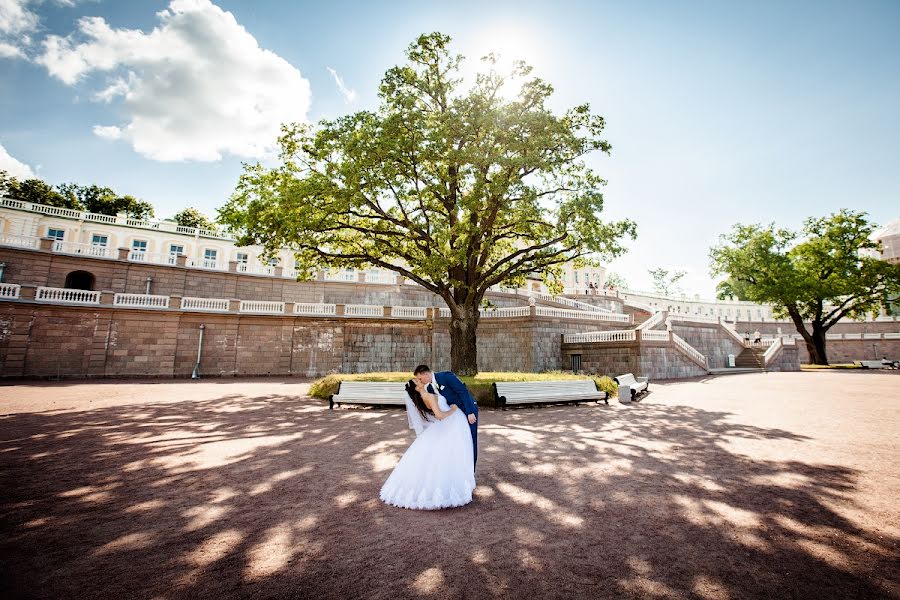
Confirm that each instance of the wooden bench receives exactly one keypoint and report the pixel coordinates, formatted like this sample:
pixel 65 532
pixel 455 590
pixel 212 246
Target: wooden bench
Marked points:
pixel 378 393
pixel 547 392
pixel 638 385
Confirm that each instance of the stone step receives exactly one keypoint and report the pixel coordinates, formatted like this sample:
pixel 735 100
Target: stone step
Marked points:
pixel 735 371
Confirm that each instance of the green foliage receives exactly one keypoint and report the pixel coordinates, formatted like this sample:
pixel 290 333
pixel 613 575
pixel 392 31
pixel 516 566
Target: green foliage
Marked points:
pixel 607 384
pixel 617 281
pixel 822 274
pixel 665 282
pixel 479 385
pixel 192 217
pixel 457 190
pixel 35 191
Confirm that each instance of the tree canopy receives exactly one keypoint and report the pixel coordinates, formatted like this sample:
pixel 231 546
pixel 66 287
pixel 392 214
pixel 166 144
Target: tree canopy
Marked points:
pixel 820 275
pixel 90 198
pixel 665 282
pixel 192 217
pixel 457 189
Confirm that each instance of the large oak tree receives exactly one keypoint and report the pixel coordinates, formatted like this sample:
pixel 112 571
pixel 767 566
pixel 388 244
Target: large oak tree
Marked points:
pixel 820 275
pixel 456 189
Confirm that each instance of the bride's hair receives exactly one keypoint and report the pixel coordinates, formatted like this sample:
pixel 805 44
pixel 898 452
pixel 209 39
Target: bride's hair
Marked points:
pixel 417 399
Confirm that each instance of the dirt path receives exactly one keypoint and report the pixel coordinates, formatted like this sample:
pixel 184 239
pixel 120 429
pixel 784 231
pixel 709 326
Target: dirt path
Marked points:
pixel 780 485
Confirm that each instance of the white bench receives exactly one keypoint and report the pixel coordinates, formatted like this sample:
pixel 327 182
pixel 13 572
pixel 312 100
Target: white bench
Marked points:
pixel 877 364
pixel 378 393
pixel 547 392
pixel 637 384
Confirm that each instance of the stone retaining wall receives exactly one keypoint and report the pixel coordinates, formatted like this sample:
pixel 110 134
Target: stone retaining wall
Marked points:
pixel 656 360
pixel 710 340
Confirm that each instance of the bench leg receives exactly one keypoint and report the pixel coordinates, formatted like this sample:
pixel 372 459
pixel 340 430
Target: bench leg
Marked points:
pixel 330 403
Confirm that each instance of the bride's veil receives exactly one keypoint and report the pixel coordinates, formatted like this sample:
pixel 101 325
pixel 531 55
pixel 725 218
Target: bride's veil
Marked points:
pixel 416 421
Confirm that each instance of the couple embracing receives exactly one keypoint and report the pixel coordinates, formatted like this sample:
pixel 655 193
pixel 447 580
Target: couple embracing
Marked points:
pixel 438 469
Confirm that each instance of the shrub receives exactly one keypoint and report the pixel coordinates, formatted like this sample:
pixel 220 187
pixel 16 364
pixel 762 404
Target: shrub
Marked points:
pixel 606 384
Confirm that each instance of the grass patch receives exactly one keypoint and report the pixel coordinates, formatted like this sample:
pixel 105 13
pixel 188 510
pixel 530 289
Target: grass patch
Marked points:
pixel 835 366
pixel 479 385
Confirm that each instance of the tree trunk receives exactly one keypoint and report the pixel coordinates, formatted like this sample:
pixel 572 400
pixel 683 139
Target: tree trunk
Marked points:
pixel 463 348
pixel 816 346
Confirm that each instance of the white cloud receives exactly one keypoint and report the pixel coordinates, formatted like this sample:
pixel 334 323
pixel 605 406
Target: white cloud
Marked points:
pixel 194 88
pixel 348 93
pixel 17 21
pixel 14 167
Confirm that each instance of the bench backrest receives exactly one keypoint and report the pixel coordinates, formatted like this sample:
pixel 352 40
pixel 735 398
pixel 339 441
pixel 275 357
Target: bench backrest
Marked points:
pixel 527 388
pixel 626 379
pixel 378 389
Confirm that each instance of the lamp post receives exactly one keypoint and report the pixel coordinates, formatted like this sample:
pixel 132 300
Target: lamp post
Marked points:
pixel 149 281
pixel 196 373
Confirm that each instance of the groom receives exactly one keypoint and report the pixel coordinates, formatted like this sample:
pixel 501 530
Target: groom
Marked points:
pixel 455 392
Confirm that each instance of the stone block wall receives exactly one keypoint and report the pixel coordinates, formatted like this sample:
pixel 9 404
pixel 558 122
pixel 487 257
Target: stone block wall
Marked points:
pixel 788 359
pixel 656 360
pixel 710 340
pixel 666 362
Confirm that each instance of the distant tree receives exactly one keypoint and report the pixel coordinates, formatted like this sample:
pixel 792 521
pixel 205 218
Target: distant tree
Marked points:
pixel 192 217
pixel 38 192
pixel 617 281
pixel 105 201
pixel 821 274
pixel 135 208
pixel 665 282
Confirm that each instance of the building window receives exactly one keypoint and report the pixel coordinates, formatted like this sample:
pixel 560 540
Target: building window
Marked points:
pixel 56 234
pixel 139 245
pixel 576 363
pixel 242 257
pixel 273 262
pixel 176 249
pixel 99 240
pixel 210 254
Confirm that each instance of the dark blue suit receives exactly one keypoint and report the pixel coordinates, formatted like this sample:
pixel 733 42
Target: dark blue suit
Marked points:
pixel 456 392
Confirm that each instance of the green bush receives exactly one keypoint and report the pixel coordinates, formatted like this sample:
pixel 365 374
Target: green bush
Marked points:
pixel 480 385
pixel 606 384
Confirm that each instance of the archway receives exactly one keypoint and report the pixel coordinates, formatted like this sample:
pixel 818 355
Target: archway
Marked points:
pixel 80 280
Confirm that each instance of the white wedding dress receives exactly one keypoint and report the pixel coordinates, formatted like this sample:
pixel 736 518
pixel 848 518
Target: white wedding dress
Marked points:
pixel 437 470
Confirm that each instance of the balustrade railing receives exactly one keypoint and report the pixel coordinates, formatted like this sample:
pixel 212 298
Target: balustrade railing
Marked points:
pixel 363 310
pixel 657 318
pixel 510 311
pixel 261 307
pixel 654 335
pixel 150 257
pixel 581 314
pixel 689 350
pixel 86 249
pixel 141 301
pixel 205 304
pixel 772 351
pixel 312 309
pixel 600 336
pixel 408 312
pixel 21 241
pixel 66 296
pixel 10 290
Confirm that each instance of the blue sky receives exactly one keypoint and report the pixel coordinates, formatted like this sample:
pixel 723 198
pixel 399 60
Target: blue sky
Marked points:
pixel 717 112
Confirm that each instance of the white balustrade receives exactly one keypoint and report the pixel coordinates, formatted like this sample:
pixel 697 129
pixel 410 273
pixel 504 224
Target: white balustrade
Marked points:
pixel 654 335
pixel 84 249
pixel 141 300
pixel 349 276
pixel 381 277
pixel 98 217
pixel 444 313
pixel 581 314
pixel 511 311
pixel 10 290
pixel 150 257
pixel 255 270
pixel 21 241
pixel 261 307
pixel 692 318
pixel 66 296
pixel 688 349
pixel 205 304
pixel 309 308
pixel 871 336
pixel 653 321
pixel 600 336
pixel 363 310
pixel 408 312
pixel 204 263
pixel 772 351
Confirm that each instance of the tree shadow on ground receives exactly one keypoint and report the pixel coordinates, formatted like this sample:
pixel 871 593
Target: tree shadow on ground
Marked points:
pixel 277 497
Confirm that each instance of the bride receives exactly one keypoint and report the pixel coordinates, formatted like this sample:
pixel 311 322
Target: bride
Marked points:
pixel 436 470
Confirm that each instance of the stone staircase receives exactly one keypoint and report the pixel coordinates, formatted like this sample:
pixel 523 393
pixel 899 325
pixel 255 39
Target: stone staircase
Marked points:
pixel 751 358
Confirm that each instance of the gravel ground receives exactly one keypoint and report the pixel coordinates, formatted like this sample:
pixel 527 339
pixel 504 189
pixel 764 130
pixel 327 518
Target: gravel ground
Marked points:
pixel 780 485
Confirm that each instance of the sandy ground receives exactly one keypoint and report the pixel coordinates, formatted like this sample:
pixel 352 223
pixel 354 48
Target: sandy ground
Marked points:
pixel 781 485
